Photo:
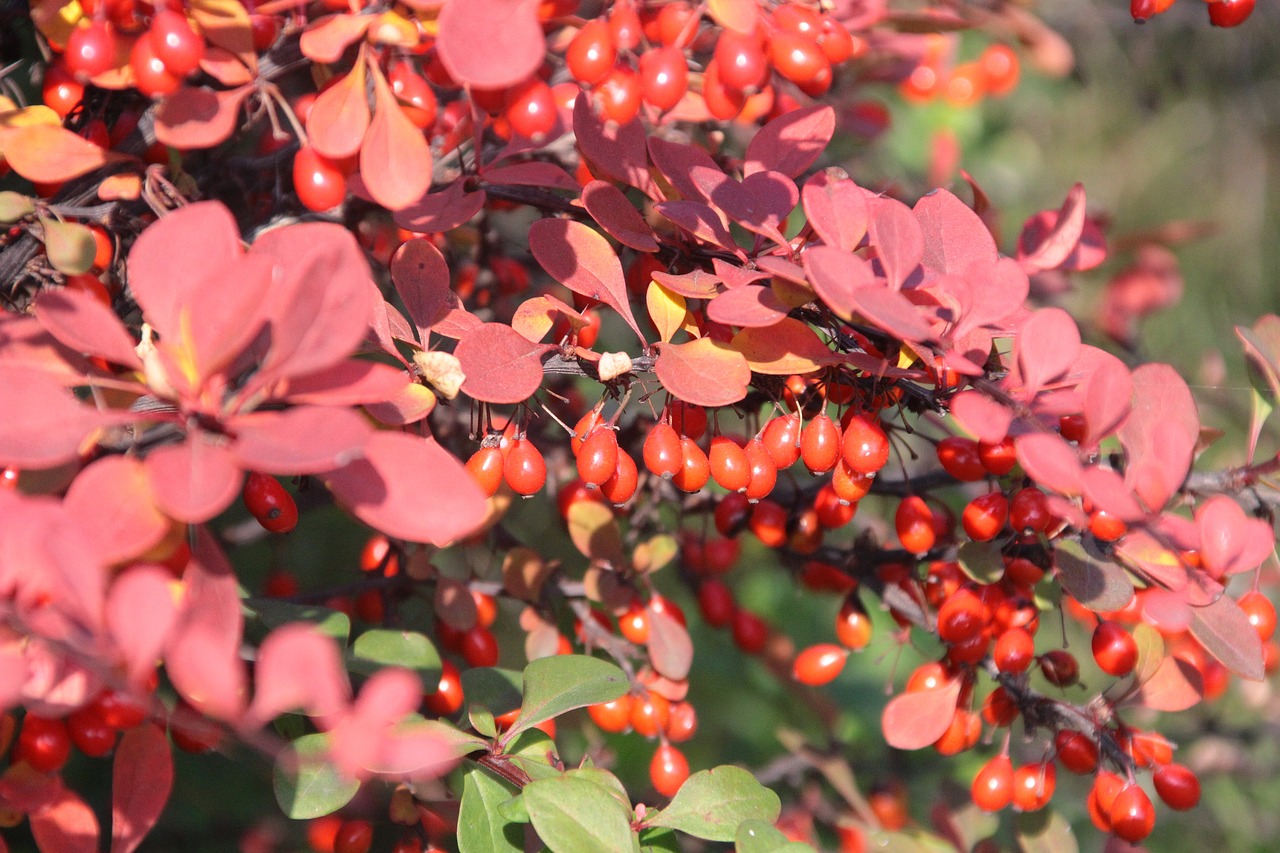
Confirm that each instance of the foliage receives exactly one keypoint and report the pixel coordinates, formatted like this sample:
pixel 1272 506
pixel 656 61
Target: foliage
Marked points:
pixel 612 257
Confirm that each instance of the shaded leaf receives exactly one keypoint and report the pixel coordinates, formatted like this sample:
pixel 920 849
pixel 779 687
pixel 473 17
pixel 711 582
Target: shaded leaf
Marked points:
pixel 410 488
pixel 299 668
pixel 610 207
pixel 194 117
pixel 789 346
pixel 554 685
pixel 501 365
pixel 395 160
pixel 1092 579
pixel 226 24
pixel 595 532
pixel 583 261
pixel 65 824
pixel 758 836
pixel 442 211
pixel 141 610
pixel 916 720
pixel 792 142
pixel 532 173
pixel 1038 250
pixel 490 44
pixel 421 277
pixel 481 828
pixel 835 274
pixel 1107 491
pixel 751 306
pixel 274 613
pixel 141 779
pixel 496 690
pixel 703 372
pixel 694 285
pixel 1224 631
pixel 677 163
pixel 897 237
pixel 84 324
pixel 700 221
pixel 1048 344
pixel 572 815
pixel 670 648
pixel 195 480
pixel 1045 831
pixel 1050 461
pixel 981 561
pixel 892 312
pixel 306 783
pixel 379 647
pixel 615 151
pixel 713 804
pixel 1175 686
pixel 1108 393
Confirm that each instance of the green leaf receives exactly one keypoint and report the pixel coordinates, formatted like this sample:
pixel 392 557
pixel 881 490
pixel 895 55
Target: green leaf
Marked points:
pixel 604 779
pixel 14 206
pixel 273 614
pixel 1045 831
pixel 758 836
pixel 659 841
pixel 481 828
pixel 492 688
pixel 561 683
pixel 306 784
pixel 513 810
pixel 712 803
pixel 461 743
pixel 534 753
pixel 69 246
pixel 577 816
pixel 381 647
pixel 482 721
pixel 981 561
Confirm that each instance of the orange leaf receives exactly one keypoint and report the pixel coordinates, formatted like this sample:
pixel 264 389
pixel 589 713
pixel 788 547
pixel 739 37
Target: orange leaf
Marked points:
pixel 738 15
pixel 199 118
pixel 703 372
pixel 226 24
pixel 51 154
pixel 786 347
pixel 340 116
pixel 395 161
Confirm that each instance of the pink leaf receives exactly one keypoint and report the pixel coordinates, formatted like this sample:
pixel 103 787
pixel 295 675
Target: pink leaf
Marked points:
pixel 227 302
pixel 1047 346
pixel 615 151
pixel 442 211
pixel 326 39
pixel 340 116
pixel 700 221
pixel 112 500
pixel 997 292
pixel 954 236
pixel 533 173
pixel 702 372
pixel 161 276
pixel 677 163
pixel 194 117
pixel 1050 461
pixel 583 261
pixel 747 306
pixel 301 440
pixel 982 416
pixel 1176 686
pixel 500 364
pixel 195 480
pixel 141 611
pixel 141 779
pixel 347 383
pixel 670 649
pixel 1230 541
pixel 416 753
pixel 410 488
pixel 761 203
pixel 43 425
pixel 837 210
pixel 50 153
pixel 735 276
pixel 490 44
pixel 1161 431
pixel 1038 251
pixel 203 657
pixel 1106 490
pixel 610 207
pixel 84 324
pixel 892 312
pixel 1108 393
pixel 357 740
pixel 410 404
pixel 835 274
pixel 395 160
pixel 1224 631
pixel 298 668
pixel 916 720
pixel 694 285
pixel 1166 610
pixel 421 277
pixel 792 142
pixel 897 237
pixel 65 825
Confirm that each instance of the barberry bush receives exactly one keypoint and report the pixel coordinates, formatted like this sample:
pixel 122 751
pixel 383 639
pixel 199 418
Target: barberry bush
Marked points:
pixel 383 383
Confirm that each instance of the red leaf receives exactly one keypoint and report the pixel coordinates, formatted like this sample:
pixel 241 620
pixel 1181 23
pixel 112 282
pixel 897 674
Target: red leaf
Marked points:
pixel 501 365
pixel 761 203
pixel 43 425
pixel 1038 251
pixel 702 372
pixel 141 611
pixel 203 658
pixel 1230 541
pixel 230 302
pixel 916 720
pixel 1048 345
pixel 996 291
pixel 1224 631
pixel 326 39
pixel 421 277
pixel 1176 686
pixel 194 117
pixel 81 322
pixel 1166 610
pixel 615 151
pixel 694 285
pixel 161 275
pixel 699 220
pixel 835 274
pixel 66 825
pixel 891 311
pixel 301 440
pixel 347 383
pixel 442 211
pixel 340 116
pixel 1108 393
pixel 735 276
pixel 583 261
pixel 50 153
pixel 534 173
pixel 490 44
pixel 1106 490
pixel 747 306
pixel 410 488
pixel 395 160
pixel 1160 433
pixel 112 500
pixel 954 236
pixel 677 163
pixel 610 207
pixel 788 346
pixel 1050 461
pixel 792 142
pixel 141 779
pixel 670 649
pixel 298 668
pixel 982 416
pixel 837 210
pixel 898 239
pixel 195 480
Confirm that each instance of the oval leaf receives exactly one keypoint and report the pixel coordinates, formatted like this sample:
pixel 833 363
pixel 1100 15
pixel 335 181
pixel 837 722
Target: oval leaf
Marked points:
pixel 789 346
pixel 381 647
pixel 748 306
pixel 1224 631
pixel 703 372
pixel 1050 461
pixel 610 207
pixel 583 261
pixel 395 160
pixel 1048 345
pixel 51 154
pixel 340 116
pixel 554 685
pixel 1091 578
pixel 141 779
pixel 501 365
pixel 916 720
pixel 792 142
pixel 712 804
pixel 306 783
pixel 837 209
pixel 572 815
pixel 490 44
pixel 898 239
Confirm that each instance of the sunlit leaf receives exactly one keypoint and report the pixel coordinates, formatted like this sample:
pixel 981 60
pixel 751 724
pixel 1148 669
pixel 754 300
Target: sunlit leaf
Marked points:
pixel 554 685
pixel 306 783
pixel 572 815
pixel 583 261
pixel 339 118
pixel 712 804
pixel 703 372
pixel 500 364
pixel 395 160
pixel 141 779
pixel 916 720
pixel 490 44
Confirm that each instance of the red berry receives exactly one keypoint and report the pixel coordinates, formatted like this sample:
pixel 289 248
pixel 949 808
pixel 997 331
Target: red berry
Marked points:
pixel 764 473
pixel 90 733
pixel 750 633
pixel 1114 649
pixel 984 516
pixel 531 109
pixel 818 665
pixel 999 458
pixel 61 92
pixel 962 617
pixel 150 75
pixel 682 722
pixel 1106 527
pixel 769 523
pixel 865 447
pixel 354 836
pixel 1014 651
pixel 269 502
pixel 664 76
pixel 723 101
pixel 417 99
pixel 1261 613
pixel 729 466
pixel 1033 786
pixel 959 458
pixel 832 512
pixel 820 444
pixel 668 770
pixel 649 715
pixel 634 624
pixel 663 454
pixel 992 787
pixel 1029 511
pixel 480 647
pixel 592 53
pixel 853 625
pixel 715 602
pixel 798 57
pixel 175 43
pixel 621 485
pixel 90 49
pixel 1000 68
pixel 191 731
pixel 741 61
pixel 524 468
pixel 485 467
pixel 447 698
pixel 620 95
pixel 849 485
pixel 319 183
pixel 914 524
pixel 781 438
pixel 688 419
pixel 43 743
pixel 613 717
pixel 598 456
pixel 1078 753
pixel 1230 13
pixel 1132 815
pixel 1177 786
pixel 1060 667
pixel 695 470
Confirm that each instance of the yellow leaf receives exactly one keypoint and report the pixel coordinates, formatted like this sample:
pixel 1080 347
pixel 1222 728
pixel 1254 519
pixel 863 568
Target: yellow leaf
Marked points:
pixel 226 23
pixel 667 310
